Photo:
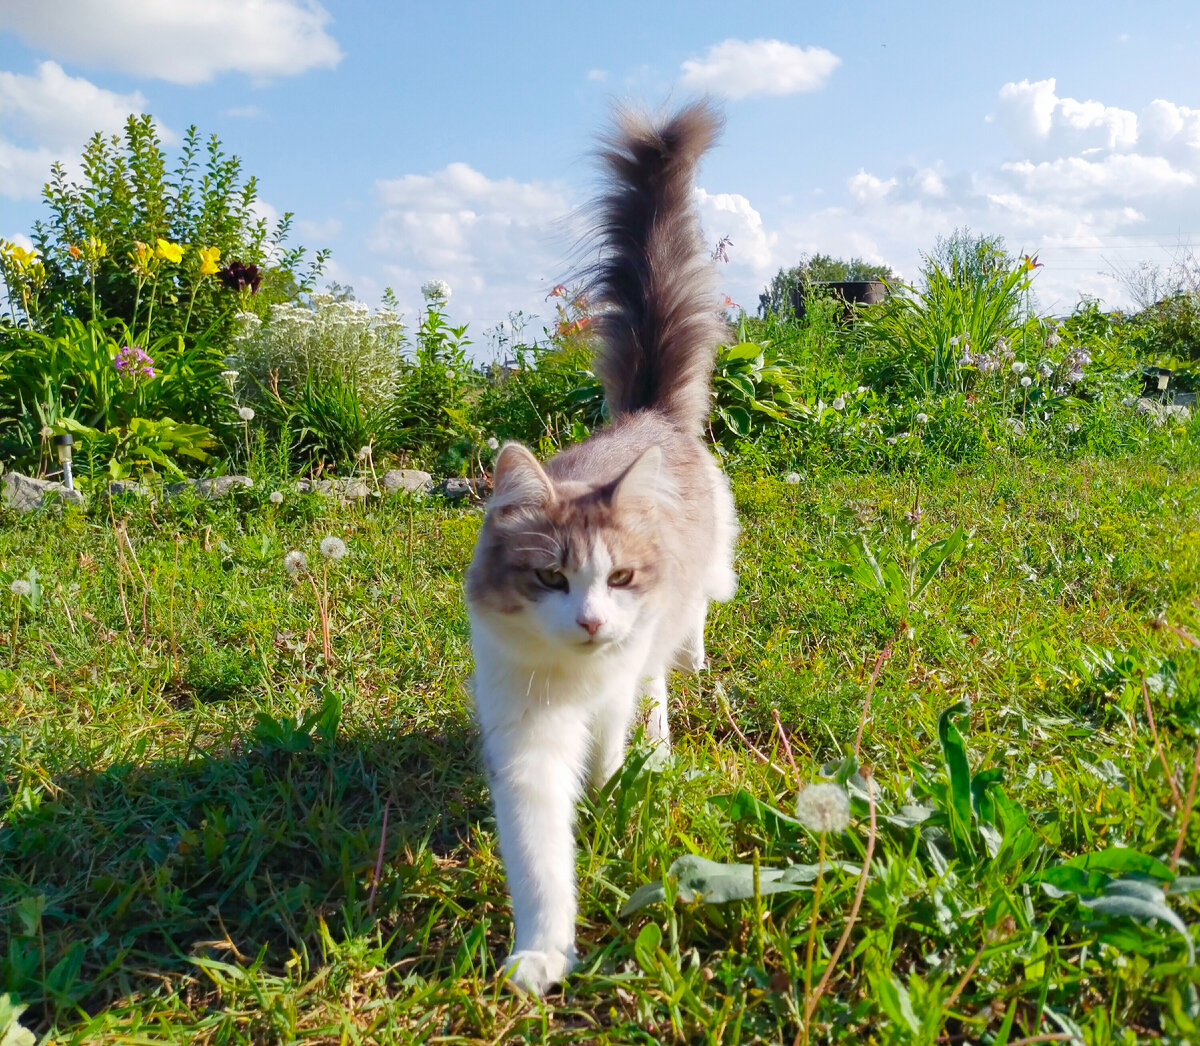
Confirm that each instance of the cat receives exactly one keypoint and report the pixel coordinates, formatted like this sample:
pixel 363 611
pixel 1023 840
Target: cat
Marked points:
pixel 593 571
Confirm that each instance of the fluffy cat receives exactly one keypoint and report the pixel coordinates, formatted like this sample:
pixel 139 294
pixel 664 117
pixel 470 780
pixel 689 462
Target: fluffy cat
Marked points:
pixel 594 571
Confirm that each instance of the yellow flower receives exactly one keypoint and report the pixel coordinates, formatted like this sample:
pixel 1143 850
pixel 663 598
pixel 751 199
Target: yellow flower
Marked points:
pixel 95 249
pixel 208 259
pixel 168 251
pixel 23 257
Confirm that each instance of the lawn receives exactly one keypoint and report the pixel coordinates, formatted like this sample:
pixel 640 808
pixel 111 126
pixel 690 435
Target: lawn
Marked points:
pixel 210 832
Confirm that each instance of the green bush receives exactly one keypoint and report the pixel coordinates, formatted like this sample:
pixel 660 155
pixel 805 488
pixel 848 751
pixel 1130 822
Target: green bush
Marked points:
pixel 125 242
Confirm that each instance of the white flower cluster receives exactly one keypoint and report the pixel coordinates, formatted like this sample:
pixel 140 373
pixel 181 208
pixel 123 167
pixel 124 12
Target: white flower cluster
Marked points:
pixel 333 339
pixel 435 290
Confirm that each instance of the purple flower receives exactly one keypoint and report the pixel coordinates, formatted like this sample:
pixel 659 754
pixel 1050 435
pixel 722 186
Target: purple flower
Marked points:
pixel 133 361
pixel 238 277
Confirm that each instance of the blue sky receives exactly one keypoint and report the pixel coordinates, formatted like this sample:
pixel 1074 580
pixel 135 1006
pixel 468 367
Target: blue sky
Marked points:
pixel 452 141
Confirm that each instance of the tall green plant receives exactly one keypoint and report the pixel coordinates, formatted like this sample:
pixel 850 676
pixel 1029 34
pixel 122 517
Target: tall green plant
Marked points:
pixel 93 246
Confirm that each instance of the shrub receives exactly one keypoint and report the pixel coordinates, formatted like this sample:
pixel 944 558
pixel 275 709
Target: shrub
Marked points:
pixel 779 295
pixel 331 341
pixel 140 241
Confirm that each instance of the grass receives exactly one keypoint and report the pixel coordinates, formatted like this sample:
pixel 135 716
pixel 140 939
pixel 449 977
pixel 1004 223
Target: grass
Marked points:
pixel 194 804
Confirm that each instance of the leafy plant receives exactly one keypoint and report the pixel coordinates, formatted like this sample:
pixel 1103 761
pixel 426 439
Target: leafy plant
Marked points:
pixel 141 445
pixel 131 235
pixel 752 388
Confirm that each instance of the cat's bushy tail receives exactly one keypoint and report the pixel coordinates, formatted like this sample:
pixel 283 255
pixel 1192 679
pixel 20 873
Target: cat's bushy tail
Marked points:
pixel 657 323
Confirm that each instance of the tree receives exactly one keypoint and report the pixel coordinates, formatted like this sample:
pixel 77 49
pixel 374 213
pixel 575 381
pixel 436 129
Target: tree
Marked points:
pixel 780 294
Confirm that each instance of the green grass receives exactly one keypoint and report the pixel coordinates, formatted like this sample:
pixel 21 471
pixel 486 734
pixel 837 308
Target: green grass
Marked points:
pixel 193 804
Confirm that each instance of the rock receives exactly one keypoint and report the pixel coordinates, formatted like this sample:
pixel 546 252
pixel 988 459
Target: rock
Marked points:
pixel 127 486
pixel 220 486
pixel 345 489
pixel 456 488
pixel 411 480
pixel 25 494
pixel 1163 412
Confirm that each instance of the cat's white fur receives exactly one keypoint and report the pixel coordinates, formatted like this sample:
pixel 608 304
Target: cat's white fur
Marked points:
pixel 555 710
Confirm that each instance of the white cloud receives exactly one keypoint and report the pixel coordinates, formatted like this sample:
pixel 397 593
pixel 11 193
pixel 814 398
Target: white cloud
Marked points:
pixel 49 117
pixel 1042 123
pixel 597 76
pixel 500 244
pixel 319 231
pixel 741 68
pixel 184 43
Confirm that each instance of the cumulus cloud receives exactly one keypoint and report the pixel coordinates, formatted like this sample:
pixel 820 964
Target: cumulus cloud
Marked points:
pixel 49 116
pixel 741 68
pixel 184 43
pixel 501 244
pixel 1088 178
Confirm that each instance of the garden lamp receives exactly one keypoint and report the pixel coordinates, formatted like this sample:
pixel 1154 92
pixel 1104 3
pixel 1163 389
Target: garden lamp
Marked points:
pixel 64 448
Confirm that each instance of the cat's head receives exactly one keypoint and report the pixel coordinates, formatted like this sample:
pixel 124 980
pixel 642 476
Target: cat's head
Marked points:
pixel 568 565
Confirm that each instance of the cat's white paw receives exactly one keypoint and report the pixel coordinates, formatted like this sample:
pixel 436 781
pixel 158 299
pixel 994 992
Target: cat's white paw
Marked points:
pixel 658 729
pixel 536 972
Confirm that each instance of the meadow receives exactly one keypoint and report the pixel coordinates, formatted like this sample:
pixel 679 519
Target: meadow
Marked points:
pixel 241 799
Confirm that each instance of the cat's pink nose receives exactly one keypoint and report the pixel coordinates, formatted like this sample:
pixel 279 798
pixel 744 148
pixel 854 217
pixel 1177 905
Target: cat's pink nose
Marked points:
pixel 591 624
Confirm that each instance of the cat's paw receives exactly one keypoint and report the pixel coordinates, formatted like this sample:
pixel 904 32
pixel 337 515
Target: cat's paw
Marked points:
pixel 536 972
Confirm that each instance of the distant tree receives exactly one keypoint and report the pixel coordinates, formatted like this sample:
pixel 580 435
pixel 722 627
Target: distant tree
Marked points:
pixel 779 294
pixel 968 258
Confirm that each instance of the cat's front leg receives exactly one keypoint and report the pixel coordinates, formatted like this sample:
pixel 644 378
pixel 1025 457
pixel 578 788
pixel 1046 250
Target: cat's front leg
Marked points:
pixel 535 764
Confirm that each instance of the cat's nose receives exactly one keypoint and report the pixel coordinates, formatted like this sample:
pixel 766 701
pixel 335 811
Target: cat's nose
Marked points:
pixel 591 624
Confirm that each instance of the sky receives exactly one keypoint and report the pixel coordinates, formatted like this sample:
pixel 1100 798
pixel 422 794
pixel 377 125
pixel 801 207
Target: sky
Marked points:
pixel 455 140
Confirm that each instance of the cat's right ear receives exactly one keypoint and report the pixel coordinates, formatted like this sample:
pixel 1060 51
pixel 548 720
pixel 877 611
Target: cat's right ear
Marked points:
pixel 519 481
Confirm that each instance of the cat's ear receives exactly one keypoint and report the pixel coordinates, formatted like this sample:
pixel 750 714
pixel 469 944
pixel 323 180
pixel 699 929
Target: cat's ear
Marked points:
pixel 643 483
pixel 519 481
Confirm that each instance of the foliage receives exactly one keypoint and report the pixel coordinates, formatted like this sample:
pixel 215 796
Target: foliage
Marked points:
pixel 1168 328
pixel 752 388
pixel 971 259
pixel 333 340
pixel 192 844
pixel 135 238
pixel 139 446
pixel 75 372
pixel 779 295
pixel 918 338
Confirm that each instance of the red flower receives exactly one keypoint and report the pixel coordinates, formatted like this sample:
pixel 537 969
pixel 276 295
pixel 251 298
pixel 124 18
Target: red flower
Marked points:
pixel 559 291
pixel 729 303
pixel 1031 263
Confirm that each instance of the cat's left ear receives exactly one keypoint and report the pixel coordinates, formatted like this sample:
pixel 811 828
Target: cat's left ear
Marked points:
pixel 643 483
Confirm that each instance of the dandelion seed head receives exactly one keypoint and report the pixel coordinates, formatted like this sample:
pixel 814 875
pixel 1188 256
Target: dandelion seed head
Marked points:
pixel 792 478
pixel 246 413
pixel 921 418
pixel 1018 367
pixel 275 497
pixel 493 443
pixel 823 807
pixel 295 562
pixel 333 548
pixel 21 587
pixel 839 403
pixel 1026 381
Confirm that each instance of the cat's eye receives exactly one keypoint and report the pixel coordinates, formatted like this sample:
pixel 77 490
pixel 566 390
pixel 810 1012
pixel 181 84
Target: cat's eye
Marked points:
pixel 620 578
pixel 552 578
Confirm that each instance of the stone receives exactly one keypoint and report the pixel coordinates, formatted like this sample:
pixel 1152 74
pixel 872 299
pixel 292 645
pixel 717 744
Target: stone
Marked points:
pixel 1163 412
pixel 411 480
pixel 221 486
pixel 457 488
pixel 127 486
pixel 25 494
pixel 345 489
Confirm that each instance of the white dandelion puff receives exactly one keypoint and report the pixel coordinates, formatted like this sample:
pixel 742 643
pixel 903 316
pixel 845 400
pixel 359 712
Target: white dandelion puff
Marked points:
pixel 792 478
pixel 295 562
pixel 1018 367
pixel 246 413
pixel 493 443
pixel 275 497
pixel 839 403
pixel 1026 381
pixel 823 807
pixel 21 587
pixel 333 548
pixel 921 418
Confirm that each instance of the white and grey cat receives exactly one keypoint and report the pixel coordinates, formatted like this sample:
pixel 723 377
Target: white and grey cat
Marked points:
pixel 594 570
